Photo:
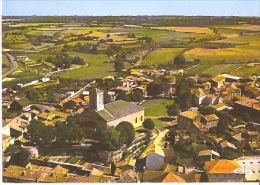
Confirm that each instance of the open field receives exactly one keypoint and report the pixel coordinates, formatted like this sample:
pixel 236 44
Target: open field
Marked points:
pixel 249 27
pixel 162 56
pixel 186 29
pixel 97 67
pixel 233 55
pixel 156 107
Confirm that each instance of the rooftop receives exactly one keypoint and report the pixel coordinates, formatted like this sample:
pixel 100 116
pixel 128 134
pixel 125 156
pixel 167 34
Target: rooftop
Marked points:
pixel 115 110
pixel 189 114
pixel 208 152
pixel 222 166
pixel 211 117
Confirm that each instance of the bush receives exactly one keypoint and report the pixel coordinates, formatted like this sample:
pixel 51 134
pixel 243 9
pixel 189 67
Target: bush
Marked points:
pixel 148 124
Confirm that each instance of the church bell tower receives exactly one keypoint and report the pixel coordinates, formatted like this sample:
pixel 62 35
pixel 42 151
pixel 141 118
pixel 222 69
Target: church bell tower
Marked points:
pixel 96 99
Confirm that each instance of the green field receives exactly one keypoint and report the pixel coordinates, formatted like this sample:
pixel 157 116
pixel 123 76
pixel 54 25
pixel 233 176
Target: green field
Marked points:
pixel 156 107
pixel 162 56
pixel 96 68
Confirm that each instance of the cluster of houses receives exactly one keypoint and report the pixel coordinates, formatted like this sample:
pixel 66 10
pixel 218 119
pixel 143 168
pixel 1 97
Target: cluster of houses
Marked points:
pixel 158 161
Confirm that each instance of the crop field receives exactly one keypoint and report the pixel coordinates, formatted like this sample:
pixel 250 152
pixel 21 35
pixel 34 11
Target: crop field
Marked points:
pixel 97 67
pixel 249 27
pixel 187 29
pixel 233 55
pixel 162 56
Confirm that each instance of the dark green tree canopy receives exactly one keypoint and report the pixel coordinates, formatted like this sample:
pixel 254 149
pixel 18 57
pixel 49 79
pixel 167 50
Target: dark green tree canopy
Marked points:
pixel 154 89
pixel 127 132
pixel 180 60
pixel 148 124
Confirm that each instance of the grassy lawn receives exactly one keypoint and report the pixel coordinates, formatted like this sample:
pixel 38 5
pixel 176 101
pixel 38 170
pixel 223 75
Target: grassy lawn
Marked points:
pixel 162 56
pixel 160 124
pixel 97 67
pixel 156 107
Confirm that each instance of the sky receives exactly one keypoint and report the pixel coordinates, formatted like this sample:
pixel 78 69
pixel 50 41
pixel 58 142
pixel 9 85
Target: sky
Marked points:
pixel 131 7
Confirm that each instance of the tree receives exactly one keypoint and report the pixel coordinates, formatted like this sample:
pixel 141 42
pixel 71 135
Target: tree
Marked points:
pixel 206 110
pixel 179 60
pixel 137 95
pixel 35 130
pixel 127 132
pixel 153 89
pixel 184 95
pixel 107 97
pixel 148 124
pixel 173 110
pixel 33 94
pixel 122 95
pixel 109 138
pixel 119 66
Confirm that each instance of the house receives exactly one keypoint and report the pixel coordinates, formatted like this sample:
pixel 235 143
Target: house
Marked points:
pixel 44 174
pixel 155 161
pixel 5 128
pixel 206 86
pixel 199 96
pixel 217 81
pixel 21 104
pixel 208 155
pixel 6 135
pixel 74 102
pixel 128 176
pixel 227 147
pixel 127 164
pixel 252 106
pixel 224 171
pixel 189 120
pixel 250 166
pixel 169 86
pixel 160 177
pixel 45 79
pixel 210 100
pixel 209 121
pixel 237 139
pixel 113 113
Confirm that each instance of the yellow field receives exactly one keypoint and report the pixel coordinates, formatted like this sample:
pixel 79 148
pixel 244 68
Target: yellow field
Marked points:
pixel 187 29
pixel 223 52
pixel 245 27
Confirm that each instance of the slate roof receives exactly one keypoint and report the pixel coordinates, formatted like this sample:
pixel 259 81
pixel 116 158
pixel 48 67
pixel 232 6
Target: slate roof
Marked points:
pixel 116 110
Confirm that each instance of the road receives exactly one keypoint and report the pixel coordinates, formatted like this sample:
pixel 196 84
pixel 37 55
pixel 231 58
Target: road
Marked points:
pixel 14 63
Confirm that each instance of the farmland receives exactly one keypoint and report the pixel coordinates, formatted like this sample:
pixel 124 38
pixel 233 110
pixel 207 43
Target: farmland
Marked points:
pixel 162 56
pixel 228 47
pixel 97 66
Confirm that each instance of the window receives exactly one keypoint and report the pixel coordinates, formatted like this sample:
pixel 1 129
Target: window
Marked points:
pixel 141 118
pixel 135 120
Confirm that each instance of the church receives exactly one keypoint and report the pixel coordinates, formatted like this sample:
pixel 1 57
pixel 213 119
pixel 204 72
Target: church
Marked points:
pixel 111 114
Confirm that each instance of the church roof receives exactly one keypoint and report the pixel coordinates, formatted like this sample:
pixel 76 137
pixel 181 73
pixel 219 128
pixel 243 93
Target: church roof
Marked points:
pixel 116 110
